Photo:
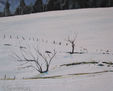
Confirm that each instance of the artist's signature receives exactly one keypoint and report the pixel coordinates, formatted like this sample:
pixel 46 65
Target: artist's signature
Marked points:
pixel 16 88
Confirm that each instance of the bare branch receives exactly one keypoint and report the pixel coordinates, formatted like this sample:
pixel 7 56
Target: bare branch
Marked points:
pixel 52 57
pixel 30 66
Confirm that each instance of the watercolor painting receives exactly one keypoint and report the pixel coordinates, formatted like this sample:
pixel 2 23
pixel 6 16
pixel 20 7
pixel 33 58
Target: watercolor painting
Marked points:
pixel 56 45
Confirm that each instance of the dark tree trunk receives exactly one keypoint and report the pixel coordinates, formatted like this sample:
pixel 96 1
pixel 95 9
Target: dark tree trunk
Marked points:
pixel 73 47
pixel 47 69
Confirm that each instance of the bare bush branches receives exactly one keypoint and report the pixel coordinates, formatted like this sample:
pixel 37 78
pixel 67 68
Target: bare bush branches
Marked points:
pixel 41 61
pixel 72 41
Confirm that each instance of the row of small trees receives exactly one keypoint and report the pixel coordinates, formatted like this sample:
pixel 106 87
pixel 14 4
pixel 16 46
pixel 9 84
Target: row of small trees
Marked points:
pixel 50 5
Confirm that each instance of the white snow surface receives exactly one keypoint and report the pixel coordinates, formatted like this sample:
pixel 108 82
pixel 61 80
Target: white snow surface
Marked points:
pixel 94 30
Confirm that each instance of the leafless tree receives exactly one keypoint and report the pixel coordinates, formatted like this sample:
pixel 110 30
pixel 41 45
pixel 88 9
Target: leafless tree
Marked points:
pixel 72 41
pixel 37 59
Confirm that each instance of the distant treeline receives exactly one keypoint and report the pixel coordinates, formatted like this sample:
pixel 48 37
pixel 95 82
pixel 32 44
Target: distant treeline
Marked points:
pixel 52 5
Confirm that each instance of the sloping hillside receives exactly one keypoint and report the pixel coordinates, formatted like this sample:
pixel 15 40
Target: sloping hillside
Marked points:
pixel 92 62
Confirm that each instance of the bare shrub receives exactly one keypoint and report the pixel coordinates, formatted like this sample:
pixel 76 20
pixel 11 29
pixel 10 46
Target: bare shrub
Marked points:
pixel 72 41
pixel 41 61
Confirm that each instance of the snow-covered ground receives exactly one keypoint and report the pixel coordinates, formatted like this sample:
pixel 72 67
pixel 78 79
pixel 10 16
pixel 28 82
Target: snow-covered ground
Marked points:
pixel 50 30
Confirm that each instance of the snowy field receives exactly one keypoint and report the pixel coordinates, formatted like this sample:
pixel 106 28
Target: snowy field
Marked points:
pixel 90 71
